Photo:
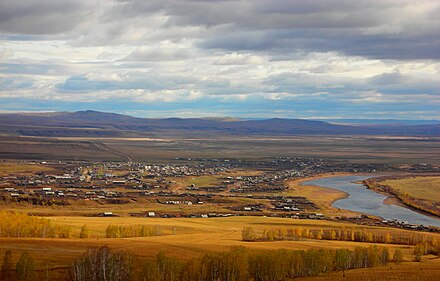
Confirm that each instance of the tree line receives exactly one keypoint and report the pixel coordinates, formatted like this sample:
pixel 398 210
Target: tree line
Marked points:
pixel 426 248
pixel 342 234
pixel 22 225
pixel 238 264
pixel 14 224
pixel 272 265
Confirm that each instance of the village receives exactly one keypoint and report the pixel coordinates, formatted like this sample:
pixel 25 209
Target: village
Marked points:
pixel 118 183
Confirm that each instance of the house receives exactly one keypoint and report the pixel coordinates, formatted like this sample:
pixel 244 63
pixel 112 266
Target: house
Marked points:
pixel 119 182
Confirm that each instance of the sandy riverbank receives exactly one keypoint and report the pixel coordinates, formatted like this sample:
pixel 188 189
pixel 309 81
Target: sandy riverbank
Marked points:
pixel 322 197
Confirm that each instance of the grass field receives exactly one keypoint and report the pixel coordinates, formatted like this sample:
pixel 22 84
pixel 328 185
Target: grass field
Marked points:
pixel 193 238
pixel 202 181
pixel 9 168
pixel 426 188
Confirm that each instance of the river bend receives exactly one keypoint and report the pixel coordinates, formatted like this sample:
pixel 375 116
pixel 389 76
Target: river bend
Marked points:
pixel 361 199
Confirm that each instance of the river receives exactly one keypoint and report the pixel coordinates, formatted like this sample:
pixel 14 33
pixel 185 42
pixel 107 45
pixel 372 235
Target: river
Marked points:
pixel 361 199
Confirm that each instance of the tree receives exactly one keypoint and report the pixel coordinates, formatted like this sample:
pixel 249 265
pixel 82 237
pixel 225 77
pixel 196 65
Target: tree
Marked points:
pixel 342 259
pixel 157 230
pixel 319 234
pixel 385 256
pixel 369 237
pixel 373 256
pixel 398 256
pixel 418 252
pixel 6 271
pixel 167 268
pixel 47 273
pixel 102 264
pixel 248 234
pixel 388 238
pixel 25 267
pixel 85 232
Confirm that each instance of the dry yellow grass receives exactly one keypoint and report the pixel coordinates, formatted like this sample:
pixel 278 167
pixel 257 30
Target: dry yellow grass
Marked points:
pixel 194 237
pixel 202 181
pixel 10 168
pixel 426 188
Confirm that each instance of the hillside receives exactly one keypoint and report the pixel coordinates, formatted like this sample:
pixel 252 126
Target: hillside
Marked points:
pixel 101 124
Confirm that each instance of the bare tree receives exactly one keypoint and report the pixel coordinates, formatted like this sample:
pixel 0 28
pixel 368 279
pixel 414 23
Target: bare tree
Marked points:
pixel 25 267
pixel 6 271
pixel 101 264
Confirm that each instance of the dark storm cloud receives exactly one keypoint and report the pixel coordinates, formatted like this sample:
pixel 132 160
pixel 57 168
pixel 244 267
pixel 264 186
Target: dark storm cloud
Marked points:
pixel 42 16
pixel 375 28
pixel 277 42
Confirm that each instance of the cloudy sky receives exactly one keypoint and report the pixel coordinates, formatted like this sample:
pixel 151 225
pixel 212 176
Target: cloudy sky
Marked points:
pixel 194 58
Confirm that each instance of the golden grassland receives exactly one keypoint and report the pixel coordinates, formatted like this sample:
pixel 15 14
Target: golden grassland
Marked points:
pixel 186 238
pixel 193 237
pixel 425 188
pixel 202 181
pixel 421 192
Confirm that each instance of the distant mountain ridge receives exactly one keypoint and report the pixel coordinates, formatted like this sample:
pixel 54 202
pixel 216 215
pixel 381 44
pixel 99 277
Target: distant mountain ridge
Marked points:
pixel 375 122
pixel 102 124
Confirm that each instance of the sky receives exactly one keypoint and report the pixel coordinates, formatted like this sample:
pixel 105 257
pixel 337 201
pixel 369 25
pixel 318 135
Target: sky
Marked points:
pixel 321 59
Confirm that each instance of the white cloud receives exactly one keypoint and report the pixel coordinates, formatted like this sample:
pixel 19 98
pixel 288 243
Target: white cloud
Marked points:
pixel 239 59
pixel 301 53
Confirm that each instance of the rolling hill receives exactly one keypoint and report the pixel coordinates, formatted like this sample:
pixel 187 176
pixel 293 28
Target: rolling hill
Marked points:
pixel 101 124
